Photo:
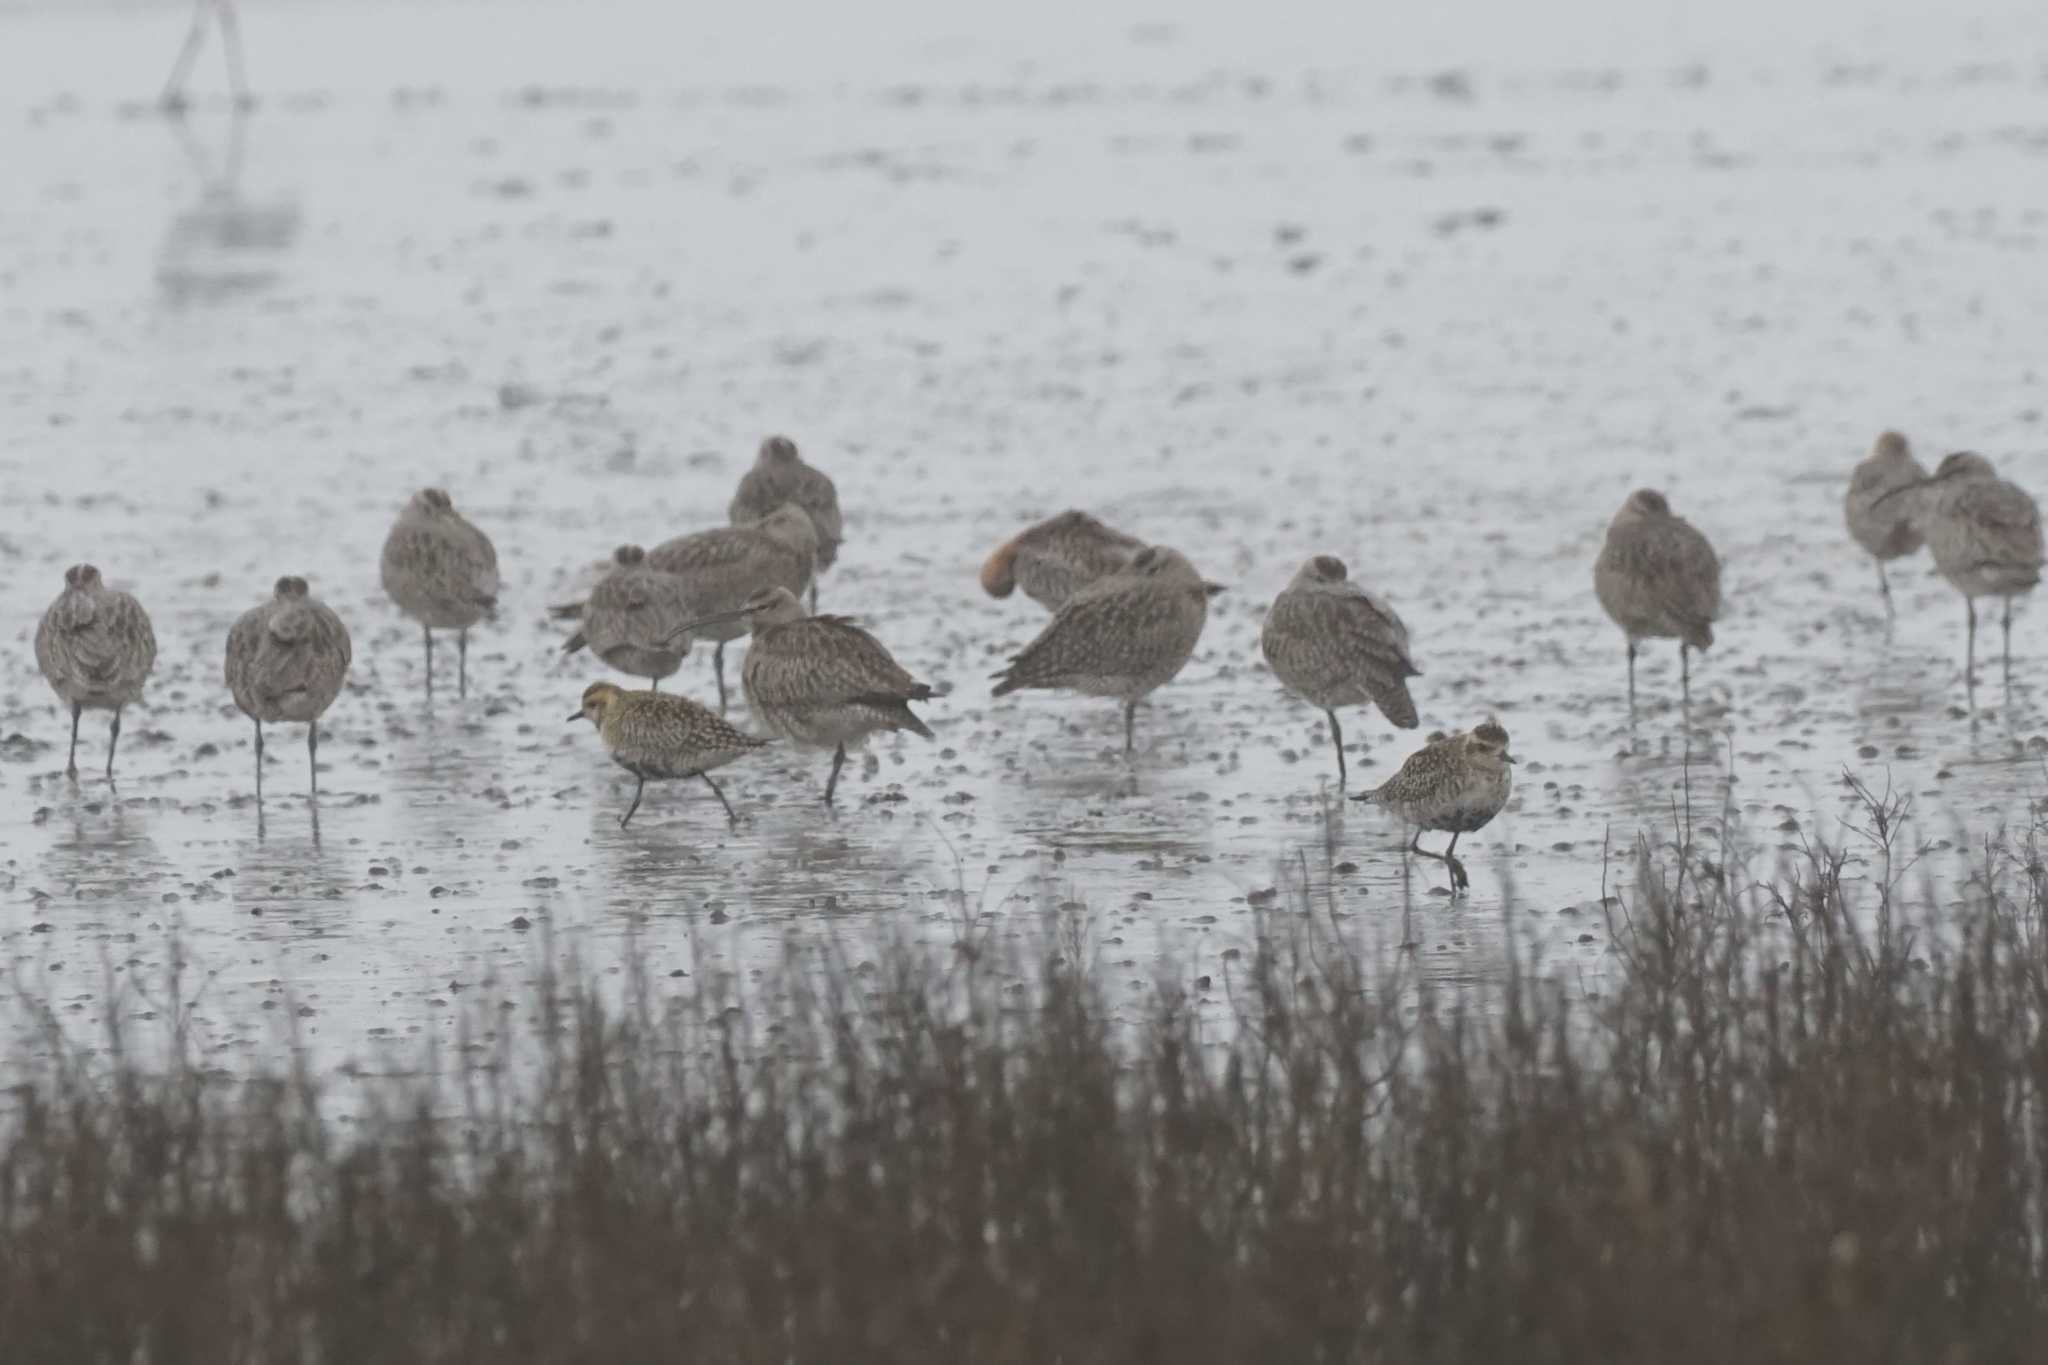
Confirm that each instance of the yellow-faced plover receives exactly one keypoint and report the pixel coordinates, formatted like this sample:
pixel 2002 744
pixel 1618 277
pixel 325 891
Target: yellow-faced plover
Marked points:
pixel 1456 783
pixel 660 737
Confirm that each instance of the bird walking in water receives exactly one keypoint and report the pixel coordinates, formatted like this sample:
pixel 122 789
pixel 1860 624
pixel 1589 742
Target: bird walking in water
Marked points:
pixel 1659 579
pixel 1455 783
pixel 1332 643
pixel 632 618
pixel 1057 558
pixel 780 475
pixel 821 681
pixel 722 568
pixel 1985 535
pixel 1883 525
pixel 95 647
pixel 661 737
pixel 205 12
pixel 1124 636
pixel 286 661
pixel 443 572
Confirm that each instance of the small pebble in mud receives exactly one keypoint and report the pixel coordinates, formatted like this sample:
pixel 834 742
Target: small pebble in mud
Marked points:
pixel 1867 751
pixel 1346 867
pixel 521 922
pixel 719 917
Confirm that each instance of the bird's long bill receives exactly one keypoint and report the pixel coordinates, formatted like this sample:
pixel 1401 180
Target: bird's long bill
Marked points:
pixel 721 618
pixel 1509 758
pixel 1913 487
pixel 1213 588
pixel 578 716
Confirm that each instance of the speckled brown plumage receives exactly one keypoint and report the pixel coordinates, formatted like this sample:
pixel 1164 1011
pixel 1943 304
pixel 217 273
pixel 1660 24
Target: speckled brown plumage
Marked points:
pixel 1332 643
pixel 780 475
pixel 95 647
pixel 634 617
pixel 1985 535
pixel 1455 783
pixel 1658 578
pixel 661 737
pixel 721 568
pixel 441 571
pixel 822 681
pixel 1883 526
pixel 1123 636
pixel 286 661
pixel 1057 558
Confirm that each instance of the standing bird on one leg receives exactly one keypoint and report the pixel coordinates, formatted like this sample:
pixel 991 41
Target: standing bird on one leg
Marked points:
pixel 1456 783
pixel 1659 579
pixel 821 681
pixel 443 572
pixel 222 12
pixel 722 568
pixel 1332 643
pixel 780 475
pixel 1124 636
pixel 1883 525
pixel 661 738
pixel 1985 535
pixel 286 661
pixel 96 647
pixel 633 617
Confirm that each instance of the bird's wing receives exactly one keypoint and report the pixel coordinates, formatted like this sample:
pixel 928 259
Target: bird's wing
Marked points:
pixel 823 660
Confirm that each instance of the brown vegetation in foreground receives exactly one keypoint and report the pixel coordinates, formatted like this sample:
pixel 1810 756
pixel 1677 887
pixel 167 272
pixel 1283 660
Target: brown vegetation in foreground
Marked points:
pixel 1774 1136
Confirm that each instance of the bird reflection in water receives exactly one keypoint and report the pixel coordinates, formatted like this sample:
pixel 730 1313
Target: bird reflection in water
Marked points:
pixel 223 247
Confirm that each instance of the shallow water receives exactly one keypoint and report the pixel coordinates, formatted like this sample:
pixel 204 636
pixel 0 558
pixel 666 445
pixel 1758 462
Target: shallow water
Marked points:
pixel 1248 293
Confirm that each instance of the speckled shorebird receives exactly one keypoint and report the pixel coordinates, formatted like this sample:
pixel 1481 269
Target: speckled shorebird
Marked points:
pixel 1332 643
pixel 443 572
pixel 1659 579
pixel 663 738
pixel 286 661
pixel 1884 527
pixel 95 646
pixel 632 617
pixel 1124 636
pixel 1056 558
pixel 721 568
pixel 1985 535
pixel 821 681
pixel 1456 783
pixel 780 475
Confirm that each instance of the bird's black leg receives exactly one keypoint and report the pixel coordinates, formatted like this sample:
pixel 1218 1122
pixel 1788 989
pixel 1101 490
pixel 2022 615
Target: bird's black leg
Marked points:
pixel 1970 652
pixel 1631 681
pixel 1459 881
pixel 231 46
pixel 462 662
pixel 814 596
pixel 1337 738
pixel 638 787
pixel 838 762
pixel 1685 679
pixel 259 766
pixel 113 741
pixel 313 757
pixel 181 70
pixel 1130 718
pixel 1884 585
pixel 654 684
pixel 428 631
pixel 71 759
pixel 718 667
pixel 2008 642
pixel 734 819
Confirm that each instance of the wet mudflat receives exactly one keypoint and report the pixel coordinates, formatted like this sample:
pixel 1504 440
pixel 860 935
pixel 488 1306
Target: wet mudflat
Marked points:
pixel 1251 299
